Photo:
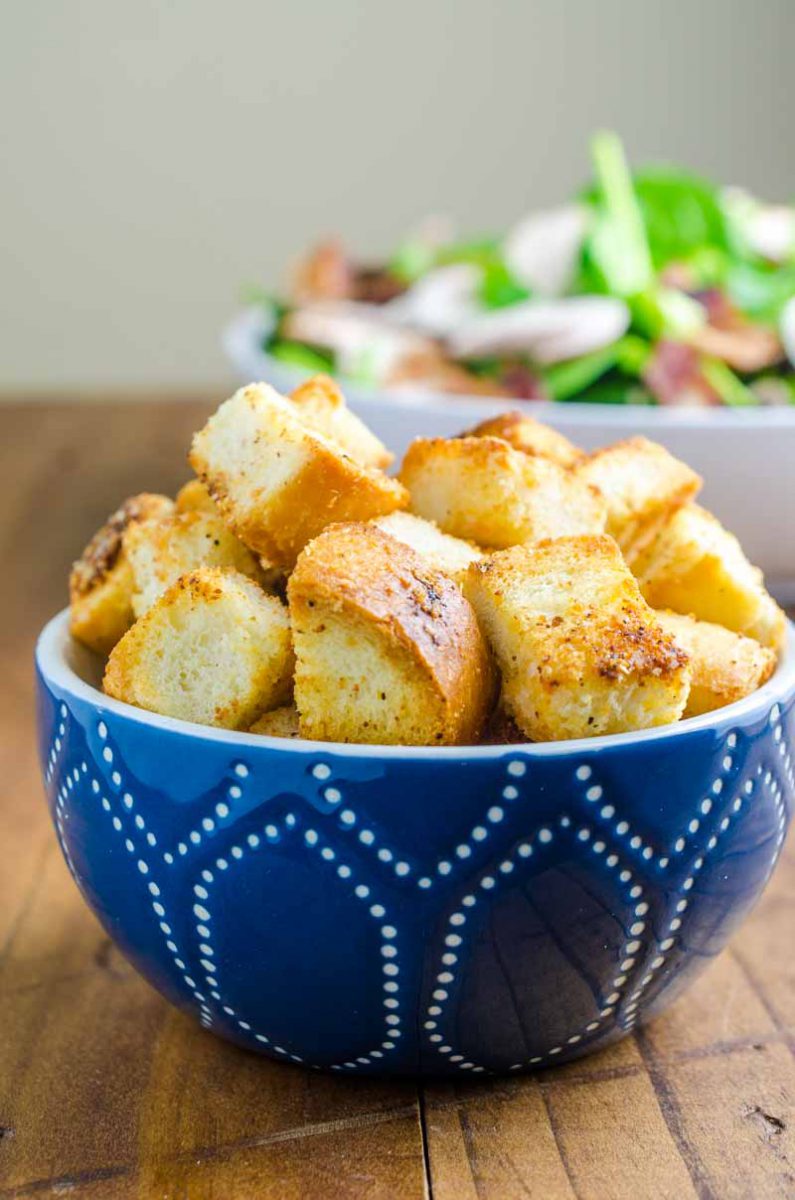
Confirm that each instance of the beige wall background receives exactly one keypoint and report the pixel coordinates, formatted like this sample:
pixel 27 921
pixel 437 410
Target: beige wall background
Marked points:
pixel 157 156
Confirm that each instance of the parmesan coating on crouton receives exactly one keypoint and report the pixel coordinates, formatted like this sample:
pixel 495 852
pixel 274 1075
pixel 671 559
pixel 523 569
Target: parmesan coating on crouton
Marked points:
pixel 438 550
pixel 696 567
pixel 581 653
pixel 321 405
pixel 278 483
pixel 482 489
pixel 530 436
pixel 213 649
pixel 281 722
pixel 159 551
pixel 101 583
pixel 387 650
pixel 194 497
pixel 725 666
pixel 642 485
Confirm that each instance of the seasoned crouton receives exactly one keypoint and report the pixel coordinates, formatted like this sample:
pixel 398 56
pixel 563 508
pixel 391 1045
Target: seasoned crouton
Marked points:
pixel 387 650
pixel 438 550
pixel 101 583
pixel 322 407
pixel 159 551
pixel 642 484
pixel 581 652
pixel 278 483
pixel 725 666
pixel 481 488
pixel 281 722
pixel 695 566
pixel 194 497
pixel 531 436
pixel 213 649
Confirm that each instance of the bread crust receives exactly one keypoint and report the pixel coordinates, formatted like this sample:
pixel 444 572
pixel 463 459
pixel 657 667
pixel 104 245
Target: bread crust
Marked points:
pixel 696 567
pixel 481 489
pixel 530 436
pixel 643 485
pixel 322 406
pixel 101 582
pixel 725 666
pixel 581 653
pixel 277 483
pixel 416 620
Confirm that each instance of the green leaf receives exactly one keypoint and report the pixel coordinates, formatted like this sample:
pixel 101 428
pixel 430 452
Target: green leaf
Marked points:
pixel 617 246
pixel 760 291
pixel 681 213
pixel 566 381
pixel 666 312
pixel 729 387
pixel 499 288
pixel 296 354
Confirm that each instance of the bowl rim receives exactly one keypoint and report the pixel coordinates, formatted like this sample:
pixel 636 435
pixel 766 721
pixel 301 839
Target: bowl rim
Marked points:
pixel 52 661
pixel 239 340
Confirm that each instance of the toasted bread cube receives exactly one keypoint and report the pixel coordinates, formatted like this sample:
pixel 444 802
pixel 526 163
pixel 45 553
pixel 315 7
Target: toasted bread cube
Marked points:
pixel 281 722
pixel 695 566
pixel 581 652
pixel 277 483
pixel 438 550
pixel 322 407
pixel 194 497
pixel 482 489
pixel 159 551
pixel 213 649
pixel 725 666
pixel 101 582
pixel 642 484
pixel 387 651
pixel 529 435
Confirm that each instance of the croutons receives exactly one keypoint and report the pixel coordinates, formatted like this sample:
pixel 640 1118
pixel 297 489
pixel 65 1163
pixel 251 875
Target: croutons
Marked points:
pixel 581 652
pixel 642 484
pixel 482 489
pixel 278 483
pixel 194 497
pixel 725 666
pixel 531 436
pixel 159 551
pixel 387 651
pixel 438 550
pixel 322 406
pixel 101 582
pixel 281 722
pixel 213 649
pixel 695 566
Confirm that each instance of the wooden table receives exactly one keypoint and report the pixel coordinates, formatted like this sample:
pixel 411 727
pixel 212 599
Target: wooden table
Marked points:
pixel 105 1091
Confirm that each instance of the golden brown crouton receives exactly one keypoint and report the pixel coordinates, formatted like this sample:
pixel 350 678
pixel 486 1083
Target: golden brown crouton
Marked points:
pixel 525 433
pixel 322 407
pixel 581 652
pixel 642 484
pixel 278 483
pixel 101 583
pixel 159 551
pixel 281 722
pixel 213 649
pixel 387 651
pixel 725 666
pixel 194 497
pixel 438 550
pixel 695 566
pixel 481 488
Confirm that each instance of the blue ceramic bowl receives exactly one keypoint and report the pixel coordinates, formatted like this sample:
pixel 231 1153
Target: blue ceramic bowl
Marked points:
pixel 414 911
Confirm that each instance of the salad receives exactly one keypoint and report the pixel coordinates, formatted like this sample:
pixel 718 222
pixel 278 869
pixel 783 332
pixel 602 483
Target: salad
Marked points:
pixel 650 287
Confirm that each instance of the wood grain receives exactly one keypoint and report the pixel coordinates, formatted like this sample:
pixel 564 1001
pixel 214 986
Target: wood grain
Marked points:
pixel 107 1092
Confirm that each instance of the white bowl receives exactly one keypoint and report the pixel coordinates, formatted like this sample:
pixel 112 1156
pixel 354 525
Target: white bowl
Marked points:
pixel 746 456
